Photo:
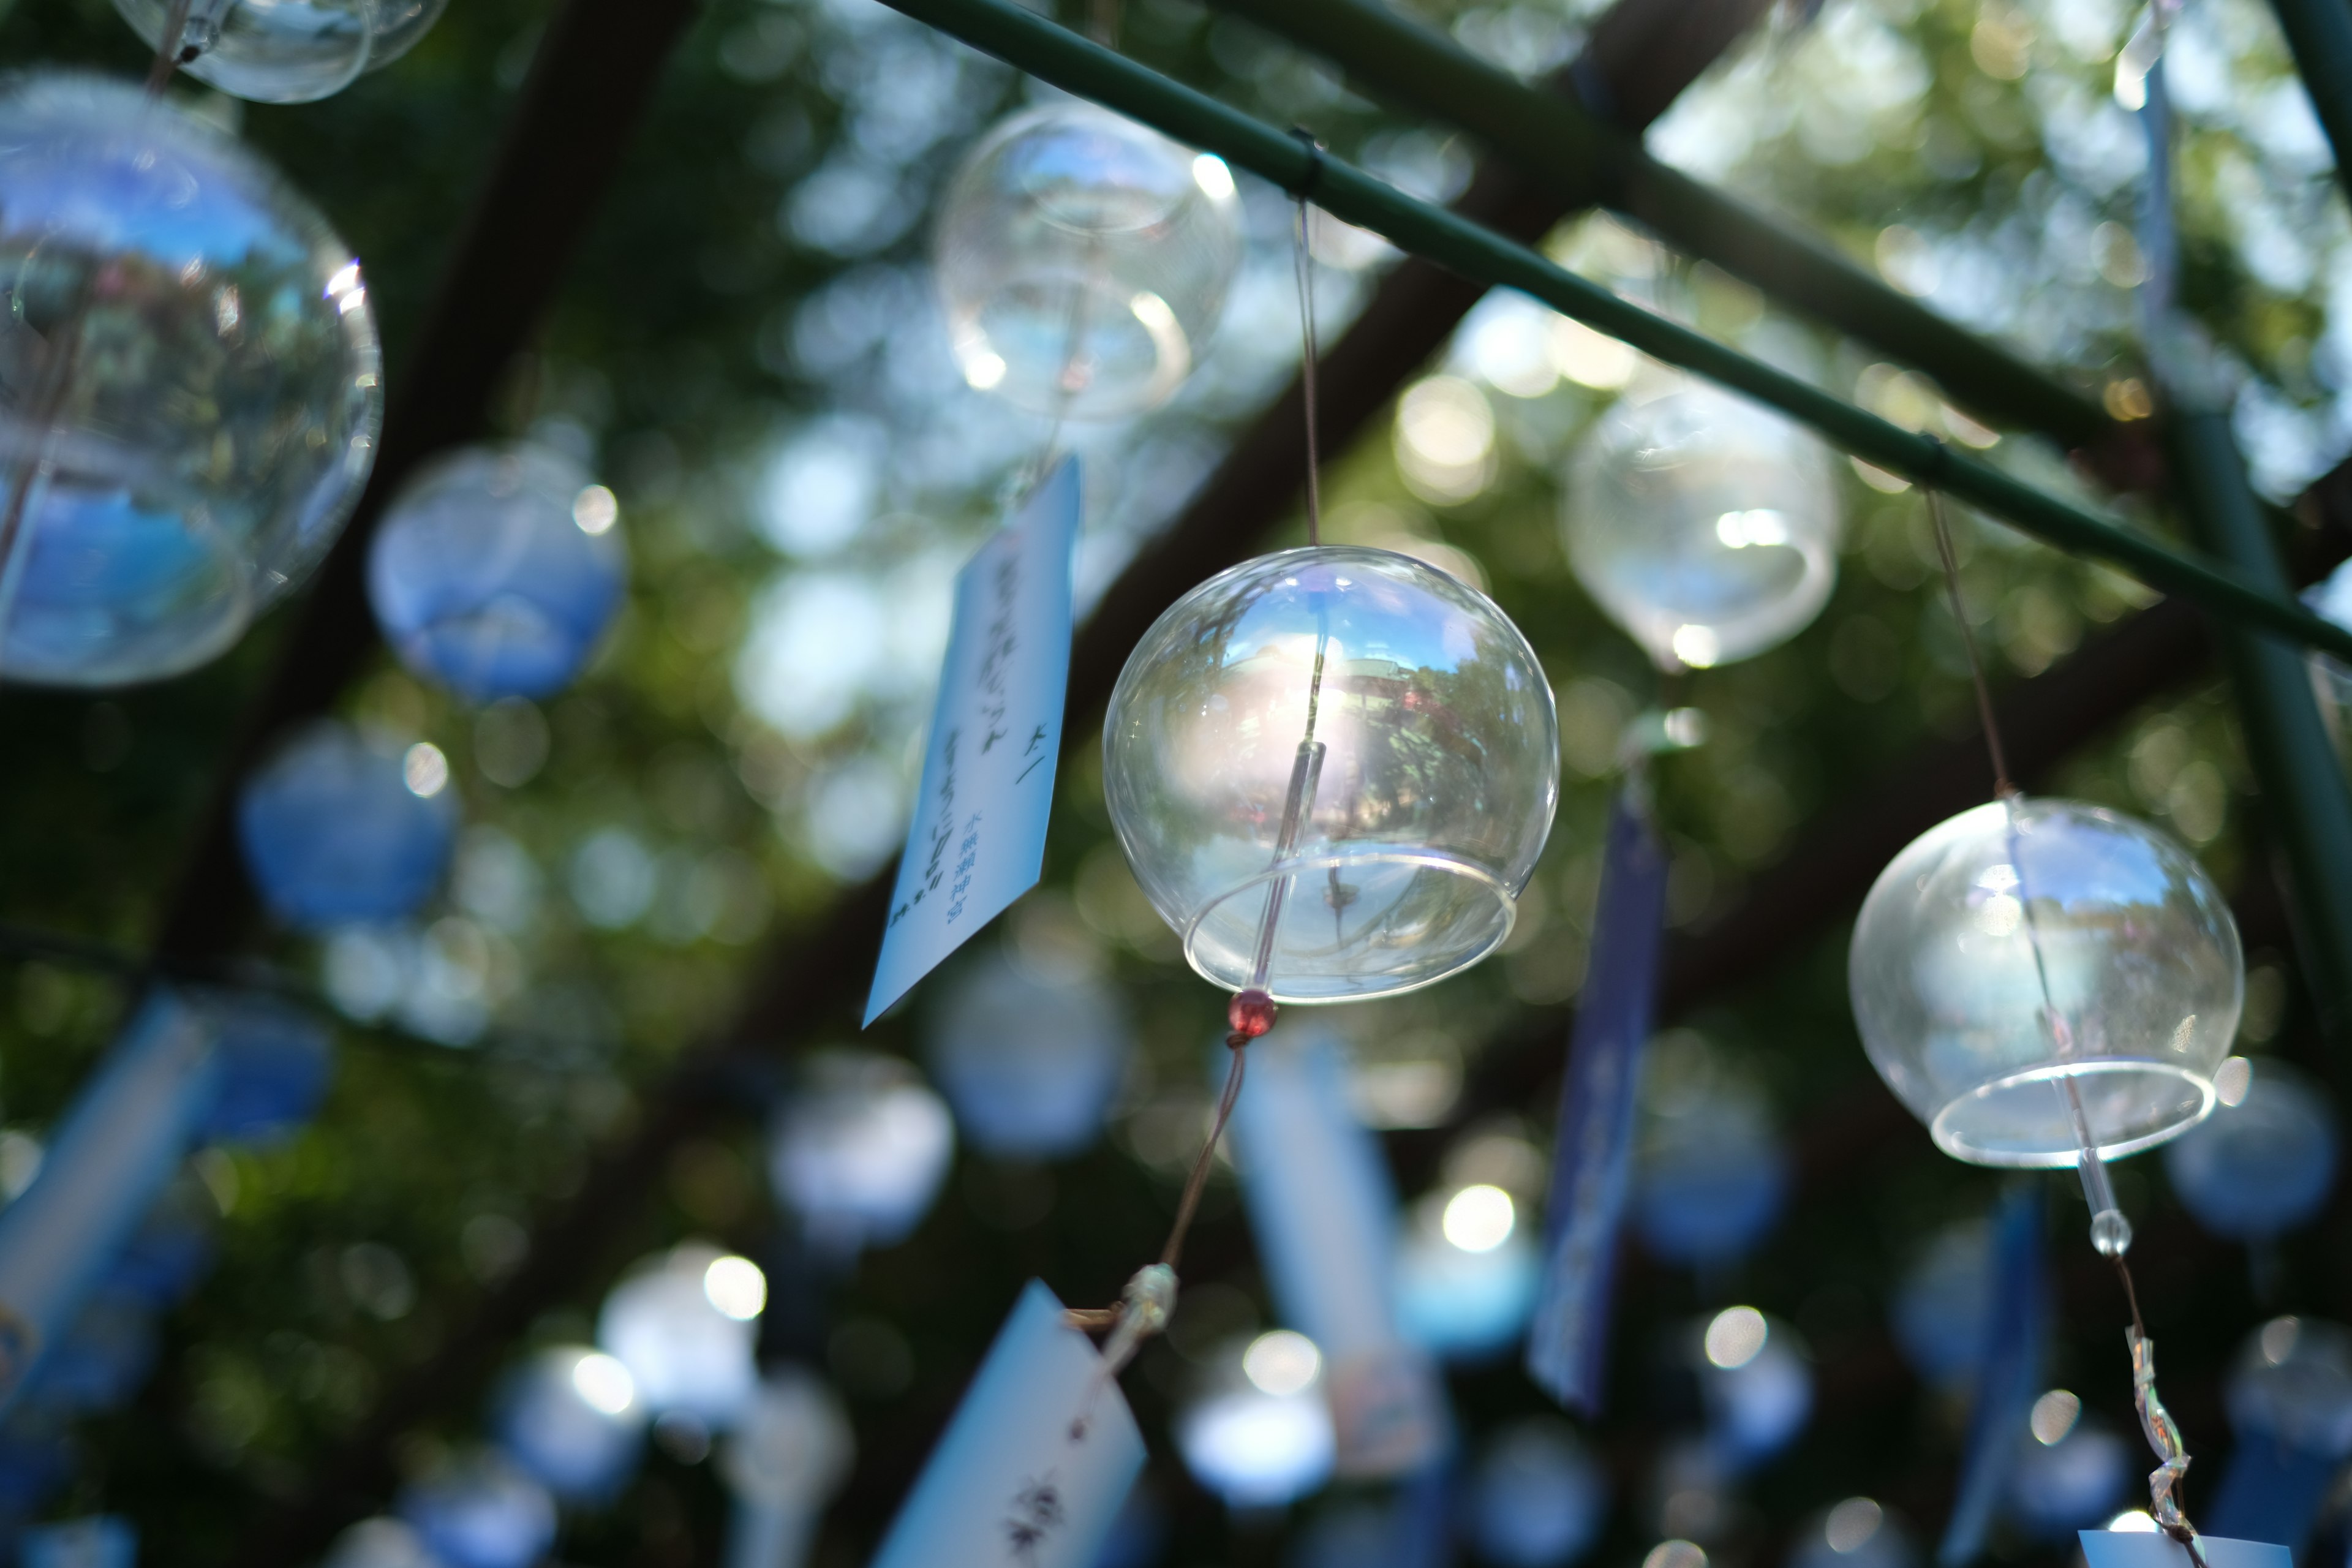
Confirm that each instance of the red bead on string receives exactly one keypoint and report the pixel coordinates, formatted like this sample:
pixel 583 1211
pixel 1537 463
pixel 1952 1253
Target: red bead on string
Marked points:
pixel 1251 1014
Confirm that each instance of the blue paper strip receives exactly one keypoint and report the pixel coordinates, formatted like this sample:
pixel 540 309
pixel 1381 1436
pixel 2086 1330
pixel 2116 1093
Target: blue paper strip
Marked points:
pixel 1613 1019
pixel 1033 1468
pixel 2148 1549
pixel 1324 1214
pixel 120 1144
pixel 2270 1492
pixel 978 839
pixel 2008 1373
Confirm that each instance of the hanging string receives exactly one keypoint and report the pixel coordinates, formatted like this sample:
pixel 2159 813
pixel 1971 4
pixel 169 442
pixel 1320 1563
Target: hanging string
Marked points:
pixel 1303 253
pixel 2111 1231
pixel 169 54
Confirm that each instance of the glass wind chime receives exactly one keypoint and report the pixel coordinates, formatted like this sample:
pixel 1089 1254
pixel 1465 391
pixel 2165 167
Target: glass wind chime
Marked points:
pixel 1331 768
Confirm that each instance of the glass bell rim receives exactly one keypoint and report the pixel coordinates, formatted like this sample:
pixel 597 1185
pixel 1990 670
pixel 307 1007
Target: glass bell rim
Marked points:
pixel 1427 859
pixel 1939 1128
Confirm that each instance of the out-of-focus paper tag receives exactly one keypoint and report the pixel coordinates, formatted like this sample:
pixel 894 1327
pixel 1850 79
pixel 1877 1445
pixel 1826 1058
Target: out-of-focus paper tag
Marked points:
pixel 978 839
pixel 1037 1463
pixel 1591 1170
pixel 2150 1549
pixel 1323 1210
pixel 2008 1374
pixel 2271 1491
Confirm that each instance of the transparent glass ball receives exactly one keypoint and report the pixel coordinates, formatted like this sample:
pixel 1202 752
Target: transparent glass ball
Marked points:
pixel 2264 1162
pixel 335 833
pixel 688 1345
pixel 2291 1383
pixel 1709 1181
pixel 570 1417
pixel 285 51
pixel 1083 262
pixel 1537 1497
pixel 1706 526
pixel 188 382
pixel 496 570
pixel 1030 1065
pixel 859 1149
pixel 479 1509
pixel 1425 794
pixel 1982 920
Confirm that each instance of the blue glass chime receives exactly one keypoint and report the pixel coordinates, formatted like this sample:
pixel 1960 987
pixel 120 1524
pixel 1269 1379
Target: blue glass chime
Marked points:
pixel 335 833
pixel 1536 1498
pixel 1710 1177
pixel 859 1149
pixel 2289 1403
pixel 1031 1065
pixel 478 1510
pixel 2264 1162
pixel 497 571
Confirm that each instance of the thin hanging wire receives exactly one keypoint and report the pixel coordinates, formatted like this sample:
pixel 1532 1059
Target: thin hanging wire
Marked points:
pixel 1304 254
pixel 169 54
pixel 2110 1229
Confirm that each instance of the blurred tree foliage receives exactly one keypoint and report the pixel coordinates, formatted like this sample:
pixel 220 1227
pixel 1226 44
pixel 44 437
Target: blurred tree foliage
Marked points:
pixel 752 310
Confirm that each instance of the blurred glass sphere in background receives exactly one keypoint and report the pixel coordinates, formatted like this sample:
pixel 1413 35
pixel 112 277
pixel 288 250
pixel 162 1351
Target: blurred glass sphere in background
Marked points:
pixel 1083 262
pixel 1855 1533
pixel 188 384
pixel 792 1447
pixel 2292 1383
pixel 1423 814
pixel 1710 1177
pixel 99 1541
pixel 571 1418
pixel 285 51
pixel 1468 1272
pixel 2071 1470
pixel 334 832
pixel 275 1061
pixel 497 569
pixel 1705 525
pixel 1260 1435
pixel 380 1543
pixel 684 1324
pixel 1030 1065
pixel 2264 1162
pixel 2144 974
pixel 1754 1382
pixel 478 1510
pixel 1536 1497
pixel 859 1149
pixel 1944 1304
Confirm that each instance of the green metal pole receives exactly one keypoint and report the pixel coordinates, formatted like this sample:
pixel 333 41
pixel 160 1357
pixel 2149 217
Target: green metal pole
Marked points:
pixel 1031 44
pixel 2306 801
pixel 1553 139
pixel 2319 32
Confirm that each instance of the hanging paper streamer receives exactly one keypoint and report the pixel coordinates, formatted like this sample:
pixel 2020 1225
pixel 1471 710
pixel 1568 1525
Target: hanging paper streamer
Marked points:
pixel 978 839
pixel 2148 1549
pixel 2008 1372
pixel 1324 1213
pixel 786 1457
pixel 2289 1401
pixel 1570 1332
pixel 113 1152
pixel 1037 1463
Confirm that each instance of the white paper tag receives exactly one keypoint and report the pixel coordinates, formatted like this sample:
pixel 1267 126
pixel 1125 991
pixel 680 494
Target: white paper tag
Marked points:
pixel 1033 1468
pixel 978 839
pixel 2151 1548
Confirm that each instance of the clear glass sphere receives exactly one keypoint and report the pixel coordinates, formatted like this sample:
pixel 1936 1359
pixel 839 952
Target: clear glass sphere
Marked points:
pixel 285 51
pixel 1425 793
pixel 2264 1162
pixel 1944 1303
pixel 497 569
pixel 859 1149
pixel 275 1060
pixel 687 1346
pixel 1465 1287
pixel 1083 262
pixel 571 1418
pixel 336 833
pixel 2074 1483
pixel 188 384
pixel 1030 1065
pixel 1537 1498
pixel 1856 1533
pixel 2029 953
pixel 94 1540
pixel 380 1543
pixel 792 1445
pixel 1706 526
pixel 2291 1383
pixel 1708 1181
pixel 1253 1446
pixel 478 1510
pixel 1755 1382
